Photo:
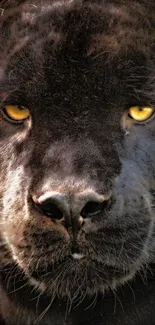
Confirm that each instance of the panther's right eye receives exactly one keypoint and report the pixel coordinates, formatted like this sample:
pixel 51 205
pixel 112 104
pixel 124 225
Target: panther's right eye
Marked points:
pixel 15 113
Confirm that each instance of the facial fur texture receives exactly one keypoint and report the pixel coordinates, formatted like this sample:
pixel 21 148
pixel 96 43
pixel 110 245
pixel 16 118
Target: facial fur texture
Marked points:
pixel 78 66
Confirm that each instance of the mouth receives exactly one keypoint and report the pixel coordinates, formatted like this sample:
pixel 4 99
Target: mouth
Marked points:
pixel 76 278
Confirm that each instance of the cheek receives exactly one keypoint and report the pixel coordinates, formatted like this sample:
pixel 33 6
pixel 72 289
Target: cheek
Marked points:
pixel 35 243
pixel 28 233
pixel 16 186
pixel 14 201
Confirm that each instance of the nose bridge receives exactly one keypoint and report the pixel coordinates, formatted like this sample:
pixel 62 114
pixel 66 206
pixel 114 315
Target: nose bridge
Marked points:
pixel 73 155
pixel 76 181
pixel 66 188
pixel 71 161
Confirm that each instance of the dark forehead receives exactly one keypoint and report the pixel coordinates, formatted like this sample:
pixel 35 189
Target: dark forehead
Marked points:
pixel 85 25
pixel 75 45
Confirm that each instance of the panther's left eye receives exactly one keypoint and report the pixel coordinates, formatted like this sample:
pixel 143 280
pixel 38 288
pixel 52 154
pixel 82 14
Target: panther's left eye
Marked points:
pixel 140 113
pixel 15 113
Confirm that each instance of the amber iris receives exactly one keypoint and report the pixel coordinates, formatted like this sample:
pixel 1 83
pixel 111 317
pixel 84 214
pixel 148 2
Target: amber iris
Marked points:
pixel 16 113
pixel 140 113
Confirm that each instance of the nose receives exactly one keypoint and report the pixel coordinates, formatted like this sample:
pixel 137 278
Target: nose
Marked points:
pixel 57 205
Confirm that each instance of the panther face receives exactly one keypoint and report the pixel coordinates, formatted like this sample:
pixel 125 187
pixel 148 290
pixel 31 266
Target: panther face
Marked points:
pixel 77 134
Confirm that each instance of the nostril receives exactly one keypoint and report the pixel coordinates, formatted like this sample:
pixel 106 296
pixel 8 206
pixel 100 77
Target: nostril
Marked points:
pixel 49 209
pixel 93 208
pixel 61 205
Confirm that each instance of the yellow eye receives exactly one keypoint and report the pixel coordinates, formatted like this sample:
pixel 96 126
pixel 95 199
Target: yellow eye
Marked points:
pixel 140 113
pixel 16 113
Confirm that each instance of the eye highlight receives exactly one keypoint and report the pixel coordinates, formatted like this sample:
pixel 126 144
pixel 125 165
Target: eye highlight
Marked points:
pixel 15 113
pixel 140 113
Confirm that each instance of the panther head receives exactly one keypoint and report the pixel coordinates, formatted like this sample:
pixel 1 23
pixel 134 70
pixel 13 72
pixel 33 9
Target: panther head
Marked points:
pixel 77 135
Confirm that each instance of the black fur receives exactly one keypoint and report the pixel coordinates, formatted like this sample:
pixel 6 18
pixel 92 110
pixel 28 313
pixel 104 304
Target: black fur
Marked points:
pixel 78 66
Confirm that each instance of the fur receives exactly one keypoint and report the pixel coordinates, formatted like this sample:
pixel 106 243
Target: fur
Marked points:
pixel 78 66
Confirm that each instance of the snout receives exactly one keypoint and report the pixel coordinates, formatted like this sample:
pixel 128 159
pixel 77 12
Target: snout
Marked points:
pixel 72 181
pixel 71 205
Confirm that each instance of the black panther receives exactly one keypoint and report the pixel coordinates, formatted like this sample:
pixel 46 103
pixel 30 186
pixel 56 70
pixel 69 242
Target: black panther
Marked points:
pixel 77 162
